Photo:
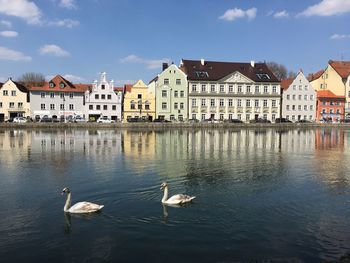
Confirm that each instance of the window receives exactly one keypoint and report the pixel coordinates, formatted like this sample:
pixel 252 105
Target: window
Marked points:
pixel 212 102
pixel 175 105
pixel 287 117
pixel 194 88
pixel 256 103
pixel 52 106
pixel 204 87
pixel 247 117
pixel 257 89
pixel 311 107
pixel 20 105
pixel 305 107
pixel 62 85
pixel 247 103
pixel 42 94
pixel 239 103
pixel 52 95
pixel 172 117
pixel 212 89
pixel 265 89
pixel 273 117
pixel 203 103
pixel 221 103
pixel 265 116
pixel 273 103
pixel 294 96
pixel 230 102
pixel 294 87
pixel 13 93
pixel 288 97
pixel 230 88
pixel 164 93
pixel 166 81
pixel 338 111
pixel 181 106
pixel 239 89
pixel 103 86
pixel 164 106
pixel 222 88
pixel 274 89
pixel 194 102
pixel 293 117
pixel 11 105
pixel 97 96
pixel 139 96
pixel 71 106
pixel 62 95
pixel 61 106
pixel 293 107
pixel 324 103
pixel 331 103
pixel 203 116
pixel 182 94
pixel 91 107
pixel 306 87
pixel 324 111
pixel 300 87
pixel 132 105
pixel 114 107
pixel 109 96
pixel 265 103
pixel 287 107
pixel 193 116
pixel 98 107
pixel 52 85
pixel 178 81
pixel 105 107
pixel 299 107
pixel 331 111
pixel 0 104
pixel 176 93
pixel 221 116
pixel 103 96
pixel 305 97
pixel 299 97
pixel 248 89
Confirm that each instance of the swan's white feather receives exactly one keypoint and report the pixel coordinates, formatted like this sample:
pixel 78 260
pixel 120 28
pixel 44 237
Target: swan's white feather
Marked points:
pixel 85 207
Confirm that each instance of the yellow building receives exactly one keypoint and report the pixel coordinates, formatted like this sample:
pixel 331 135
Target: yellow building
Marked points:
pixel 139 102
pixel 14 101
pixel 335 79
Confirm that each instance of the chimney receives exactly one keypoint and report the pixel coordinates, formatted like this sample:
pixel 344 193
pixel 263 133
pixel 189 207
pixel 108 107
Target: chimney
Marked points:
pixel 165 66
pixel 202 61
pixel 252 63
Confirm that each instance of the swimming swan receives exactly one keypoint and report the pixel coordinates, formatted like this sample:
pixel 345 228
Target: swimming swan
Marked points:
pixel 81 207
pixel 175 199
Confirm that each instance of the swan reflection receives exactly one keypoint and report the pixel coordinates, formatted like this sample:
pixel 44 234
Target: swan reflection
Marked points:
pixel 68 219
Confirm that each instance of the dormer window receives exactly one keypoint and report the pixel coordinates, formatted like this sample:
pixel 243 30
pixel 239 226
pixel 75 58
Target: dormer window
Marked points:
pixel 62 85
pixel 52 85
pixel 103 86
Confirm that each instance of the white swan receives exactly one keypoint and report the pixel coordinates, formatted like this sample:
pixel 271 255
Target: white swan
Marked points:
pixel 81 207
pixel 175 199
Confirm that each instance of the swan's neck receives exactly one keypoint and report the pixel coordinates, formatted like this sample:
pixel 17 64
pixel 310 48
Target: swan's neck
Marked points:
pixel 68 203
pixel 165 196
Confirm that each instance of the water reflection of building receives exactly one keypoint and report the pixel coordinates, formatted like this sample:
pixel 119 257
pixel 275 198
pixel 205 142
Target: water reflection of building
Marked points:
pixel 17 142
pixel 139 144
pixel 329 138
pixel 297 140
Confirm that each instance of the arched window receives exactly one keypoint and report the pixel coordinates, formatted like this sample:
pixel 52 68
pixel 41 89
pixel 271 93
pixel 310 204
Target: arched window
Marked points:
pixel 132 105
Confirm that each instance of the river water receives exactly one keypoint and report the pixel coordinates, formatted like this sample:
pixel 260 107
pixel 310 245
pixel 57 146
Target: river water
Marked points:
pixel 262 195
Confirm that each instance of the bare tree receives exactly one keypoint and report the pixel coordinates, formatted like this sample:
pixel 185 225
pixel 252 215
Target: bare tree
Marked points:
pixel 279 70
pixel 32 79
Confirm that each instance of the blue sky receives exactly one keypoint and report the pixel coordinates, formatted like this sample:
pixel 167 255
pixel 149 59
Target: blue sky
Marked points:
pixel 129 39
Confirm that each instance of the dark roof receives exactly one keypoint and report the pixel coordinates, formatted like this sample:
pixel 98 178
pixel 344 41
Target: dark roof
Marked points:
pixel 213 70
pixel 21 87
pixel 154 79
pixel 314 76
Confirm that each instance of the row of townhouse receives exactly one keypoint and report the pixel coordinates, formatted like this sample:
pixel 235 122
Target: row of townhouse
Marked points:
pixel 197 89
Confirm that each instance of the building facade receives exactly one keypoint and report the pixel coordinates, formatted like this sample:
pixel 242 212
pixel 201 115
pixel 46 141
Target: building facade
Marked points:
pixel 228 90
pixel 171 94
pixel 139 102
pixel 102 100
pixel 14 101
pixel 58 99
pixel 298 99
pixel 330 107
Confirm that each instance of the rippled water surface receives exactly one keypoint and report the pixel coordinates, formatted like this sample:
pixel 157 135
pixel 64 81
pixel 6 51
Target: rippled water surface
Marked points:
pixel 262 195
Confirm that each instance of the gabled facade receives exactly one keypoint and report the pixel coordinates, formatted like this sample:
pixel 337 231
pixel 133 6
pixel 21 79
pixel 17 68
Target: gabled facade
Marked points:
pixel 171 94
pixel 229 90
pixel 335 79
pixel 102 100
pixel 298 99
pixel 14 101
pixel 58 99
pixel 330 107
pixel 139 102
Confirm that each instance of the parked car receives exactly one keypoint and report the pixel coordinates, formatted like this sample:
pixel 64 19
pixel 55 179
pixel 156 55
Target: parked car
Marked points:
pixel 193 120
pixel 303 121
pixel 235 121
pixel 282 120
pixel 19 120
pixel 78 119
pixel 260 121
pixel 136 120
pixel 45 118
pixel 105 119
pixel 160 120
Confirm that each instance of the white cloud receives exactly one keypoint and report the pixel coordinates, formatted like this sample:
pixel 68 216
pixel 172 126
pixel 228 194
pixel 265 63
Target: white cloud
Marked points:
pixel 233 14
pixel 74 79
pixel 121 82
pixel 8 33
pixel 53 50
pixel 10 54
pixel 3 79
pixel 6 23
pixel 64 23
pixel 23 9
pixel 338 37
pixel 150 63
pixel 70 4
pixel 327 8
pixel 281 14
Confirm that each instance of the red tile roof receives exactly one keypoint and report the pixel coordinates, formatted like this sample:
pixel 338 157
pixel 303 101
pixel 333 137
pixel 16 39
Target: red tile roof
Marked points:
pixel 119 89
pixel 285 83
pixel 314 76
pixel 68 86
pixel 214 71
pixel 127 88
pixel 341 67
pixel 328 94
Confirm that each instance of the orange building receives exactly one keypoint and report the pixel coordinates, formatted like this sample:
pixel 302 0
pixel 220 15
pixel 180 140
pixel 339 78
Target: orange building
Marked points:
pixel 329 107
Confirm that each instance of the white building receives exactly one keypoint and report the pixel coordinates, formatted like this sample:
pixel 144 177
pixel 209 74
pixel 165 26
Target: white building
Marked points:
pixel 298 99
pixel 231 90
pixel 102 100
